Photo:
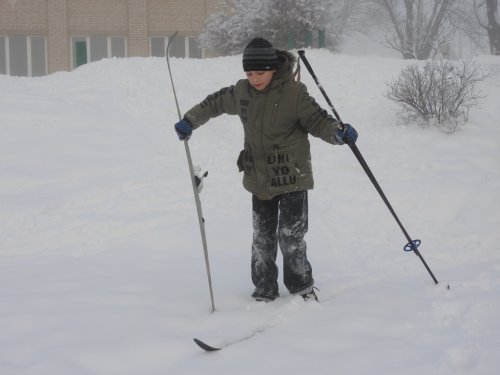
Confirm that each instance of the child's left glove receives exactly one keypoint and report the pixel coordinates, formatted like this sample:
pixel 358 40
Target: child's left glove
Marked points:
pixel 184 129
pixel 347 135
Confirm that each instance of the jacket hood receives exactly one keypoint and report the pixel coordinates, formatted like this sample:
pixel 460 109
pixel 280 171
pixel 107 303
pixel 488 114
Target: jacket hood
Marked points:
pixel 286 63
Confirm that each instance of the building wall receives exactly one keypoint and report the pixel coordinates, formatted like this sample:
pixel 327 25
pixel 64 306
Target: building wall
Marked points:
pixel 23 16
pixel 136 20
pixel 186 16
pixel 137 28
pixel 58 47
pixel 99 17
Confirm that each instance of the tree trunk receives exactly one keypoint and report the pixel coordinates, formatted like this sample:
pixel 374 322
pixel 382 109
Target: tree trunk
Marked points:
pixel 493 26
pixel 409 41
pixel 419 32
pixel 440 10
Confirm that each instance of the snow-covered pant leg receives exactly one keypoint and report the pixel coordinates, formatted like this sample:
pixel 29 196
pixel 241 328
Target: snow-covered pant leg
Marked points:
pixel 292 227
pixel 283 220
pixel 265 247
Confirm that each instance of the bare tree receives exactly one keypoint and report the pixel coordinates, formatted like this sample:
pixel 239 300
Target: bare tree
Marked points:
pixel 418 27
pixel 354 16
pixel 493 26
pixel 463 20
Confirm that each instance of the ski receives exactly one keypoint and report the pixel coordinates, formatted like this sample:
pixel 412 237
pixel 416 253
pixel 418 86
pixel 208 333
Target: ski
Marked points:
pixel 229 327
pixel 196 180
pixel 210 348
pixel 244 337
pixel 205 346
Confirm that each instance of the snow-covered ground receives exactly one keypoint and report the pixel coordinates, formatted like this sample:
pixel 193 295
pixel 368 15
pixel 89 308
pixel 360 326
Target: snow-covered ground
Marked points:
pixel 101 263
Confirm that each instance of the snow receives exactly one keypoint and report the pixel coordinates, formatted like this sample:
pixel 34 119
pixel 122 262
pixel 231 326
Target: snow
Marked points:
pixel 101 263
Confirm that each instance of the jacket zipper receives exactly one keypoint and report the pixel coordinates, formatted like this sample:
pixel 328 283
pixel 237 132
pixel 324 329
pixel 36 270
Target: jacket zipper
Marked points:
pixel 275 109
pixel 264 154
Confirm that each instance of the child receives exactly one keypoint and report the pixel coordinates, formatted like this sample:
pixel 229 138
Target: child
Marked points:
pixel 277 115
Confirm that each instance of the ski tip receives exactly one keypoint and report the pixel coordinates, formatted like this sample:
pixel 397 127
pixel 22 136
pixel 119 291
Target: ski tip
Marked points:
pixel 204 346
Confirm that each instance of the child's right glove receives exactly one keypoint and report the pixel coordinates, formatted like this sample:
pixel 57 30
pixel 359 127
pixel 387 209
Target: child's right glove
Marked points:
pixel 347 135
pixel 184 129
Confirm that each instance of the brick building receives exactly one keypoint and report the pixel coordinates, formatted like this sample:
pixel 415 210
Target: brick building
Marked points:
pixel 39 37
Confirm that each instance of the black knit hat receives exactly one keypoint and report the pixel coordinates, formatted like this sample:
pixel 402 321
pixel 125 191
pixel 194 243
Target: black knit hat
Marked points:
pixel 259 55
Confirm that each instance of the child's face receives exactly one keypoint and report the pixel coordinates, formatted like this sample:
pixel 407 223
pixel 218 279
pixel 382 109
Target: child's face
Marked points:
pixel 260 80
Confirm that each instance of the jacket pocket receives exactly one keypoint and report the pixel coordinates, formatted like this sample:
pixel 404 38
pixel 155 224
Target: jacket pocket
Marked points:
pixel 245 162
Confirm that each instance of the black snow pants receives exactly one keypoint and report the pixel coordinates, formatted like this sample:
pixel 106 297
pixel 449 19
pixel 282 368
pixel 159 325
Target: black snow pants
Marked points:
pixel 281 220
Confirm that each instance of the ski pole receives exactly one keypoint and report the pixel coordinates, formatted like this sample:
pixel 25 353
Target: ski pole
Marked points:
pixel 412 245
pixel 201 220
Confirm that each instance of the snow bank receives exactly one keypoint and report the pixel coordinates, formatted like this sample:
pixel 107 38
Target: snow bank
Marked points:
pixel 101 265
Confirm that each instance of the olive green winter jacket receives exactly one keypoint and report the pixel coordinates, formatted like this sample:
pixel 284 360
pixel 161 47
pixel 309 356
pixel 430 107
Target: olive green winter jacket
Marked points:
pixel 276 157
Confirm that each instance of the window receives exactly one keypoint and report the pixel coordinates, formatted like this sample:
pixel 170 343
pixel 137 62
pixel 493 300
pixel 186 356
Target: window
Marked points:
pixel 22 55
pixel 3 55
pixel 38 57
pixel 118 46
pixel 93 48
pixel 178 47
pixel 195 50
pixel 181 47
pixel 18 55
pixel 98 48
pixel 157 46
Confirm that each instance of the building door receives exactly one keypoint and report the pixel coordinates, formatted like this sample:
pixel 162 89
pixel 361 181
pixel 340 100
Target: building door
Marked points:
pixel 80 53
